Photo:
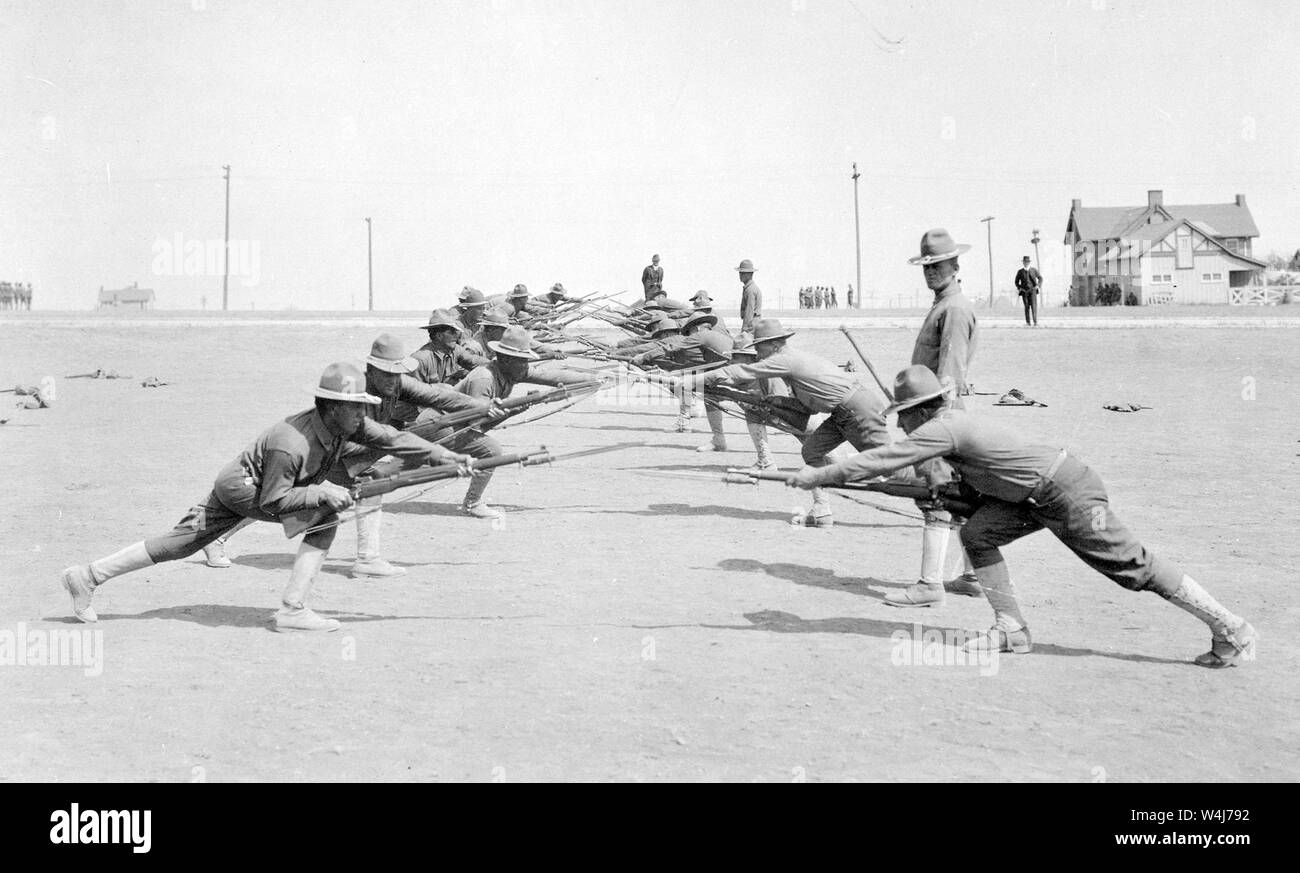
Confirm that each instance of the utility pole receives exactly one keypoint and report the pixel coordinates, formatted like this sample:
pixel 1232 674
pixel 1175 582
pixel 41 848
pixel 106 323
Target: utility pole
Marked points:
pixel 857 235
pixel 988 223
pixel 1035 241
pixel 225 281
pixel 370 274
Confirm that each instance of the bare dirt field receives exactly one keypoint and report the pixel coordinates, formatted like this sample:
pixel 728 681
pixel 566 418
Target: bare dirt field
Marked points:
pixel 627 627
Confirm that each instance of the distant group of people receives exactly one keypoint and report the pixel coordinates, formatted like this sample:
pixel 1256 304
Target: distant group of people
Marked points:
pixel 820 297
pixel 15 295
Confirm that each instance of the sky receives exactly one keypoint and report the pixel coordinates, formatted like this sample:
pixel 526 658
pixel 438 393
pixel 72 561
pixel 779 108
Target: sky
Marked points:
pixel 525 141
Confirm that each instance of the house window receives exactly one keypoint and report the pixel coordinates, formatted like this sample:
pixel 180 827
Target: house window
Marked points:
pixel 1218 277
pixel 1184 257
pixel 1161 278
pixel 1205 277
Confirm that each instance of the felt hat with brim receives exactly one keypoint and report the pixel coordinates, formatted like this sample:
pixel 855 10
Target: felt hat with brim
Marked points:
pixel 471 297
pixel 766 329
pixel 388 353
pixel 557 288
pixel 515 343
pixel 936 246
pixel 664 324
pixel 518 291
pixel 702 299
pixel 699 318
pixel 914 386
pixel 746 266
pixel 497 316
pixel 746 349
pixel 346 382
pixel 442 318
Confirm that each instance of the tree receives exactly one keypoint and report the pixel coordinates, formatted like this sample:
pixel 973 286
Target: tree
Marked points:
pixel 1294 266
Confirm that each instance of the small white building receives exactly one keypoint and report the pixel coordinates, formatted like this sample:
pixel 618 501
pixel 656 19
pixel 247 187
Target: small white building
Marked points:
pixel 134 297
pixel 1163 253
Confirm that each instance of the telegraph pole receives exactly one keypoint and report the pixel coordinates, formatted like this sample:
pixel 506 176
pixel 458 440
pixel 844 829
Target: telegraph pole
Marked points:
pixel 370 274
pixel 1035 241
pixel 988 223
pixel 857 235
pixel 225 281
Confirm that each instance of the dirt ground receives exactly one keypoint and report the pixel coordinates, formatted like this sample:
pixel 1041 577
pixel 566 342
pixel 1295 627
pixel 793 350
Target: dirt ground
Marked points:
pixel 627 627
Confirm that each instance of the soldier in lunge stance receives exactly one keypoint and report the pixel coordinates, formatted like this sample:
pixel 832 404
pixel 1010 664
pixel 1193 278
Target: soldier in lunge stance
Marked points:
pixel 281 472
pixel 1024 488
pixel 855 409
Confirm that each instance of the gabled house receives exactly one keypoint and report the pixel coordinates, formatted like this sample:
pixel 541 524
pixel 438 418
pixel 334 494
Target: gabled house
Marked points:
pixel 134 297
pixel 1162 253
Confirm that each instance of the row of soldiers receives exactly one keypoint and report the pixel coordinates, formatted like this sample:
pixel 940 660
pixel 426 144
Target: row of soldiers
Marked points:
pixel 363 425
pixel 480 349
pixel 818 297
pixel 15 295
pixel 1012 487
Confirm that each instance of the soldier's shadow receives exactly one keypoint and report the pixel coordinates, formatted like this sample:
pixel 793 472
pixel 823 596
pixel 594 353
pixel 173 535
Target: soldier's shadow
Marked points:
pixel 227 615
pixel 337 565
pixel 815 577
pixel 688 510
pixel 775 621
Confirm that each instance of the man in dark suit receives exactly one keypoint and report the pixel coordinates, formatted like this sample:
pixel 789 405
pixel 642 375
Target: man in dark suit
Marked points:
pixel 1028 283
pixel 652 279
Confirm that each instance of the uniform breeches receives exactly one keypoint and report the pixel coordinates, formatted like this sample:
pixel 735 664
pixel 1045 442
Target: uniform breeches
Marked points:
pixel 229 502
pixel 854 421
pixel 1074 507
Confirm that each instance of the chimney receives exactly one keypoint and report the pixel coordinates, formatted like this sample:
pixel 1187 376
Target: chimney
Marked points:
pixel 1241 199
pixel 1155 198
pixel 1076 203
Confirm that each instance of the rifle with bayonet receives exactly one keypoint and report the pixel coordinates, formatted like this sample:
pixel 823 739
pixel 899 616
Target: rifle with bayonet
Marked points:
pixel 310 520
pixel 948 496
pixel 512 405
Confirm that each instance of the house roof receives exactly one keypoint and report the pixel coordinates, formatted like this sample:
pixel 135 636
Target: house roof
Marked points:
pixel 1112 222
pixel 1153 233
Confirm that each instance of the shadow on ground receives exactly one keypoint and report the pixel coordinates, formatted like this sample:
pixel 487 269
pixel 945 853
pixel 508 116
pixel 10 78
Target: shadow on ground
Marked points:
pixel 815 577
pixel 776 621
pixel 226 615
pixel 687 510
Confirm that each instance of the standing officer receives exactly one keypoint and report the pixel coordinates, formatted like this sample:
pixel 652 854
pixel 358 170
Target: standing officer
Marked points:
pixel 945 345
pixel 751 298
pixel 1024 488
pixel 652 278
pixel 281 472
pixel 856 410
pixel 1028 283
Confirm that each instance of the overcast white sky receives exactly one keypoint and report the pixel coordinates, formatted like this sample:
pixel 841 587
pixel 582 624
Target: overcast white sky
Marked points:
pixel 528 141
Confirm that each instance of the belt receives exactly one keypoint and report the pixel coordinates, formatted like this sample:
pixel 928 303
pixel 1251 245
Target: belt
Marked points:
pixel 1056 464
pixel 1047 477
